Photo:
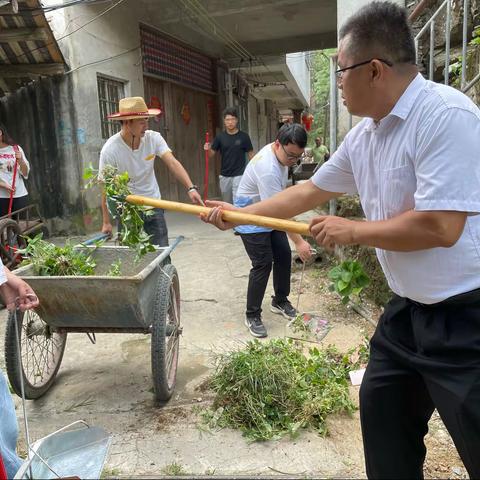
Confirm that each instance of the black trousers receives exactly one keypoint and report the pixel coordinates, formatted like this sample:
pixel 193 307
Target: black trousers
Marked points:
pixel 267 249
pixel 155 225
pixel 422 357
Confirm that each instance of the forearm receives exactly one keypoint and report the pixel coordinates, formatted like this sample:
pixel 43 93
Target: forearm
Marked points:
pixel 181 174
pixel 292 201
pixel 23 168
pixel 296 238
pixel 211 153
pixel 411 231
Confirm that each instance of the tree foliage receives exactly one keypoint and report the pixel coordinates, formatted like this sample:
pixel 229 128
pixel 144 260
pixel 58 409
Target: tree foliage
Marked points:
pixel 321 94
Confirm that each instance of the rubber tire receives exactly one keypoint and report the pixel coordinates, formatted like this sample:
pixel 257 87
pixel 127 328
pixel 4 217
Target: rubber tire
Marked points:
pixel 9 222
pixel 160 376
pixel 11 361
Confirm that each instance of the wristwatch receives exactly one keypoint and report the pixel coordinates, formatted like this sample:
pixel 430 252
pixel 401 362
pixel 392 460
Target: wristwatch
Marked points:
pixel 193 187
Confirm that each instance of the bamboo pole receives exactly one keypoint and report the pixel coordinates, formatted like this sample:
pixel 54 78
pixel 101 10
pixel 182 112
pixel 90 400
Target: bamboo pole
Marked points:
pixel 234 216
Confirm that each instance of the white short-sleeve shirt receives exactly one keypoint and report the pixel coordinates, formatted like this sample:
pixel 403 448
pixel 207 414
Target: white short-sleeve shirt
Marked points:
pixel 7 166
pixel 264 177
pixel 138 163
pixel 424 155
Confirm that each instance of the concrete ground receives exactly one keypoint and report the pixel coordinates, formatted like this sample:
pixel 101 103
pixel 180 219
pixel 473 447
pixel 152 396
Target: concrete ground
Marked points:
pixel 109 385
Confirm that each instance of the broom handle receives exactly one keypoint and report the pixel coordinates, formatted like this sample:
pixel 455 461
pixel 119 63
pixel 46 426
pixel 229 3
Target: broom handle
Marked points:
pixel 10 202
pixel 233 216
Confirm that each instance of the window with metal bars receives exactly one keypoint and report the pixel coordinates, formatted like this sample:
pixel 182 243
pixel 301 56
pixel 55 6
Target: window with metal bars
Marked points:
pixel 173 61
pixel 109 93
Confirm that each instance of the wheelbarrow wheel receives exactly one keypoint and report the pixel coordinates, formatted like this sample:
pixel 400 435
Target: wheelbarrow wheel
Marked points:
pixel 166 332
pixel 11 241
pixel 41 354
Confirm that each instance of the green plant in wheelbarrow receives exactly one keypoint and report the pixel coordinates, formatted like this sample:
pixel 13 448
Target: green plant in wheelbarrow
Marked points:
pixel 348 279
pixel 48 259
pixel 131 216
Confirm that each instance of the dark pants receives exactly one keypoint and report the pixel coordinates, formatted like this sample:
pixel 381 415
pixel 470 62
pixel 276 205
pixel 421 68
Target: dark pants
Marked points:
pixel 18 203
pixel 156 226
pixel 265 249
pixel 422 357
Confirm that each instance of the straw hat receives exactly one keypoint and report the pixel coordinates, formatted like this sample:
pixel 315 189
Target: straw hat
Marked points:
pixel 131 108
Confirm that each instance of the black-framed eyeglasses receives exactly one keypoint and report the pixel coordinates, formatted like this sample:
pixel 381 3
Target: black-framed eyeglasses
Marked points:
pixel 340 71
pixel 291 156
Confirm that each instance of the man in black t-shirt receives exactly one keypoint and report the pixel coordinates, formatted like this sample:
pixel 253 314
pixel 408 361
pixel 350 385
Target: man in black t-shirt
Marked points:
pixel 232 144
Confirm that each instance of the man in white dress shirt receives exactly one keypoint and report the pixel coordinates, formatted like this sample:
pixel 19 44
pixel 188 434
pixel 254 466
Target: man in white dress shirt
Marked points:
pixel 414 160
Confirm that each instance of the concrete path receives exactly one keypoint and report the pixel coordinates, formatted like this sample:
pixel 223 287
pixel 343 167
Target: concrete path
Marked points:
pixel 108 384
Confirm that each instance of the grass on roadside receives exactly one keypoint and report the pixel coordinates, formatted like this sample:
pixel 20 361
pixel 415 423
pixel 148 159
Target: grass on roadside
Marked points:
pixel 272 388
pixel 174 469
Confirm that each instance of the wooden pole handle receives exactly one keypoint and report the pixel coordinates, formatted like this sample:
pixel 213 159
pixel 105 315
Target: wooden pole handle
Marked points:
pixel 233 216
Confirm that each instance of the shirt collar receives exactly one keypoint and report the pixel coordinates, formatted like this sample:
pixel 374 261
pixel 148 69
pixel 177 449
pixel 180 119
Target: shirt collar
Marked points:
pixel 404 104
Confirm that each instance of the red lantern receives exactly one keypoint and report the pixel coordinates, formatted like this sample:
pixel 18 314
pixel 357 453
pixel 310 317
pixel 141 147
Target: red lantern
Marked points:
pixel 155 103
pixel 186 113
pixel 307 120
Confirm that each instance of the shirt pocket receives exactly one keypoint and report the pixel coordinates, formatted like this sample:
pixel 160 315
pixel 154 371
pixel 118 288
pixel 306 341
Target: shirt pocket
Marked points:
pixel 398 187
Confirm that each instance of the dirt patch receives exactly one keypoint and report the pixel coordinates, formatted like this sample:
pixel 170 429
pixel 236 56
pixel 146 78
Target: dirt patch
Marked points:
pixel 168 416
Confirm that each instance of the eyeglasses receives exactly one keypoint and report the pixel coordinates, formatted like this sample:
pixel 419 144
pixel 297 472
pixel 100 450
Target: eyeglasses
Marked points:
pixel 289 155
pixel 340 71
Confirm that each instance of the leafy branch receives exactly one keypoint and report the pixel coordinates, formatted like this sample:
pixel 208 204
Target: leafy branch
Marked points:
pixel 348 279
pixel 131 216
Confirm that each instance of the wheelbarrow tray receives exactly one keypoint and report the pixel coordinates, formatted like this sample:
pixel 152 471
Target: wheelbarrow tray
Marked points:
pixel 101 302
pixel 75 453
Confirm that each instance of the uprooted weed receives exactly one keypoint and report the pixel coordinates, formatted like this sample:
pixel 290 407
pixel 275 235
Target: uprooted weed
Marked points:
pixel 272 388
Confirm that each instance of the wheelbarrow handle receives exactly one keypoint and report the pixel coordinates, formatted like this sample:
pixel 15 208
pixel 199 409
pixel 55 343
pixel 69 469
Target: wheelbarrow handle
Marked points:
pixel 237 217
pixel 96 238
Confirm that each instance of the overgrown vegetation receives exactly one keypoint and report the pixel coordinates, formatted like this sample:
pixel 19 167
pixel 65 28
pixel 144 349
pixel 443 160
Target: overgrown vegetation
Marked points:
pixel 273 388
pixel 131 216
pixel 377 290
pixel 348 279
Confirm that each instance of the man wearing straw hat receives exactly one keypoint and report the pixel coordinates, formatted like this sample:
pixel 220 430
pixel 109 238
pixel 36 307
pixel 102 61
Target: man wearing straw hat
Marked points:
pixel 133 150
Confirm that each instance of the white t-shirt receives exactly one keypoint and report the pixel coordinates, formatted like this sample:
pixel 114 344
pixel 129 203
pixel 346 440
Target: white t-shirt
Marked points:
pixel 138 163
pixel 264 177
pixel 424 156
pixel 7 163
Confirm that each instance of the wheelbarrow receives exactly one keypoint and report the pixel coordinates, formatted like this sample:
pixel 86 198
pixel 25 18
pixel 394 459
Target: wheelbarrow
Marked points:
pixel 149 290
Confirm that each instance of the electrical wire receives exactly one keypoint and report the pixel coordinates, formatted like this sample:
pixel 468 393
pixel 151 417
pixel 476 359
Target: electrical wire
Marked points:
pixel 102 61
pixel 228 39
pixel 218 32
pixel 249 55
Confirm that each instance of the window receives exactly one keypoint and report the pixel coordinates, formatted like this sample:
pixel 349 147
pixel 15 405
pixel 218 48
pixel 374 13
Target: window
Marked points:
pixel 169 60
pixel 109 93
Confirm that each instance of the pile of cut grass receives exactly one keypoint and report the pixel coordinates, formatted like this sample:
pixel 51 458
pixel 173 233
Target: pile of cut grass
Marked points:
pixel 272 388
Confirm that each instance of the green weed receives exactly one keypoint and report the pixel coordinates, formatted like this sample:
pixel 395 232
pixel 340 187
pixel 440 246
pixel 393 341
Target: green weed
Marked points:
pixel 272 388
